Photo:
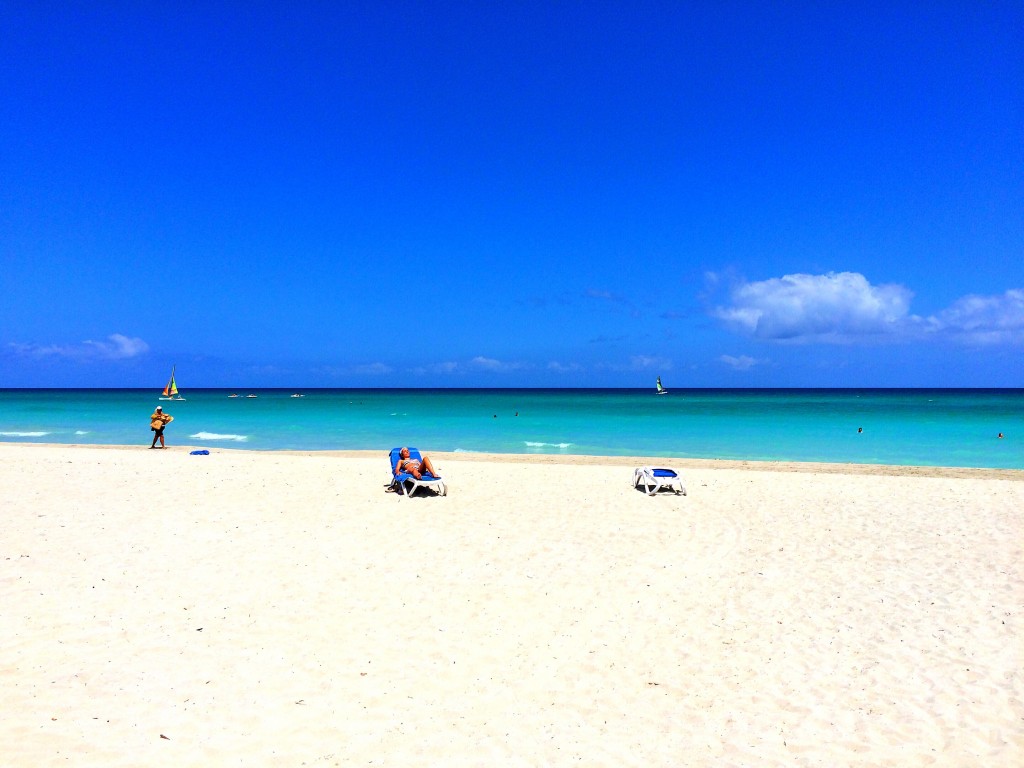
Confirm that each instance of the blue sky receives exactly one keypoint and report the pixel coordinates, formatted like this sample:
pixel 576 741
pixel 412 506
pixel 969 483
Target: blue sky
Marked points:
pixel 512 194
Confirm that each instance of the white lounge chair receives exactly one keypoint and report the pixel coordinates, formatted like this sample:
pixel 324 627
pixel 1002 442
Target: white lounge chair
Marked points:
pixel 656 478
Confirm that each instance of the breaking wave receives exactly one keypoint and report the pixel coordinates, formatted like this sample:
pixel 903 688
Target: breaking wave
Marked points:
pixel 547 445
pixel 215 436
pixel 23 434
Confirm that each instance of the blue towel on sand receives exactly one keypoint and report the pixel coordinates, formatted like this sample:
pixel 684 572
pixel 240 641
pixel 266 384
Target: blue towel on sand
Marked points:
pixel 199 453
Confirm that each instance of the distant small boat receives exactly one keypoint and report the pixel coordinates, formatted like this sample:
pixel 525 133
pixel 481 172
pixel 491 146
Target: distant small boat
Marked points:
pixel 171 390
pixel 250 395
pixel 233 394
pixel 661 389
pixel 298 395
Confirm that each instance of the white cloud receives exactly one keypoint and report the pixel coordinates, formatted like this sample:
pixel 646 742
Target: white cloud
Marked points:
pixel 835 307
pixel 372 369
pixel 983 319
pixel 119 346
pixel 558 367
pixel 444 368
pixel 116 347
pixel 490 364
pixel 647 363
pixel 487 363
pixel 478 363
pixel 844 307
pixel 741 363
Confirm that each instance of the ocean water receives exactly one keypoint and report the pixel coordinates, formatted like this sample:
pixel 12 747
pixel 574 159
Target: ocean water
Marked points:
pixel 914 427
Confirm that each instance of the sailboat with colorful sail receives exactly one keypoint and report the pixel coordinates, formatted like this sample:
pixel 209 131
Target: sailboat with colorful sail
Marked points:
pixel 661 390
pixel 171 390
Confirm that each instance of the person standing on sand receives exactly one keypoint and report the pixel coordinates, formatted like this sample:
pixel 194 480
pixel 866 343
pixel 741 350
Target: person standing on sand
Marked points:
pixel 157 422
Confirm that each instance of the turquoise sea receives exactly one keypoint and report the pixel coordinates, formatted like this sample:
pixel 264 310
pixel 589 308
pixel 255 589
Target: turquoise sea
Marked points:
pixel 935 427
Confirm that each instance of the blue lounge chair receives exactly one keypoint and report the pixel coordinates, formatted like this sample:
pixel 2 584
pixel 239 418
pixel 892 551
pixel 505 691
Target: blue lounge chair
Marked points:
pixel 408 484
pixel 656 478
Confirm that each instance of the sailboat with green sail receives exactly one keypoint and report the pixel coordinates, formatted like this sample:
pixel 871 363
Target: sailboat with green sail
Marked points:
pixel 171 390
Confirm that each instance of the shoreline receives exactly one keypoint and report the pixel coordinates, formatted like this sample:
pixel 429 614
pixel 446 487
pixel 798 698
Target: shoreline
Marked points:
pixel 803 467
pixel 955 429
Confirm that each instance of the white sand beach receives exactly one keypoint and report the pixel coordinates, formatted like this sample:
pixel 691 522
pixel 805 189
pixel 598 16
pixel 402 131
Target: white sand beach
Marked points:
pixel 264 609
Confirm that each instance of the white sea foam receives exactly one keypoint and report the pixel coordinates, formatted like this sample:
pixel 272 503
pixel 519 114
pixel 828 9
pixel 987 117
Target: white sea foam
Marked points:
pixel 547 445
pixel 215 436
pixel 23 434
pixel 81 432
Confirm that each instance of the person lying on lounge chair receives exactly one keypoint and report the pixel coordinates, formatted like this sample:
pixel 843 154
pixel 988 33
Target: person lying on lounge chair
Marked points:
pixel 415 467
